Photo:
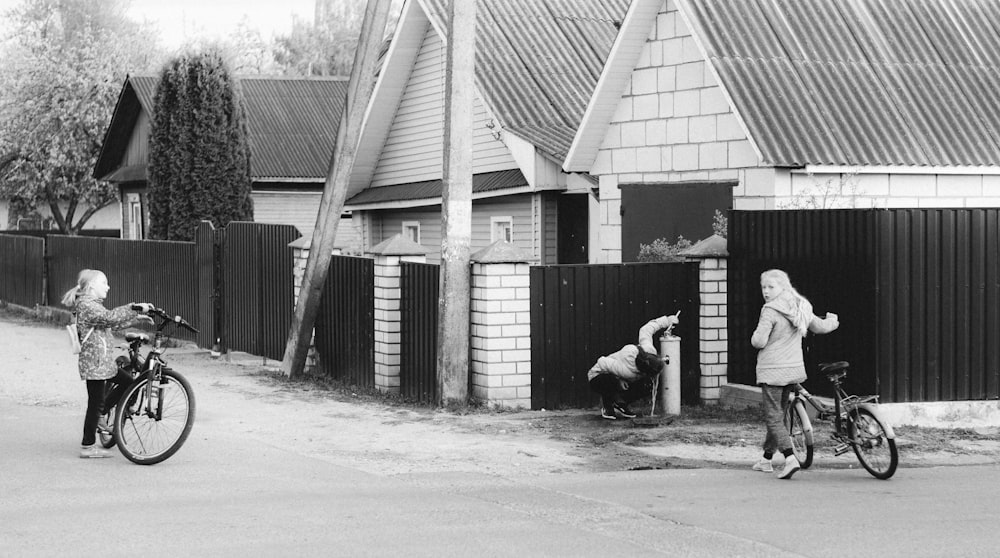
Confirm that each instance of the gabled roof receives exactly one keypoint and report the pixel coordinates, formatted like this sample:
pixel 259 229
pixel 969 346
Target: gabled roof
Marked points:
pixel 880 82
pixel 840 82
pixel 537 61
pixel 292 124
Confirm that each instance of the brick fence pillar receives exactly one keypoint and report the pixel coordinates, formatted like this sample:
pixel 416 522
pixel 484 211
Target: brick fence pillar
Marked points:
pixel 389 255
pixel 300 256
pixel 713 323
pixel 500 326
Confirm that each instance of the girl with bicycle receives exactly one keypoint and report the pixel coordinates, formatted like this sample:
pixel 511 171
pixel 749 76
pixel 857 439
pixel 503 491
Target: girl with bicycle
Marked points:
pixel 96 360
pixel 784 320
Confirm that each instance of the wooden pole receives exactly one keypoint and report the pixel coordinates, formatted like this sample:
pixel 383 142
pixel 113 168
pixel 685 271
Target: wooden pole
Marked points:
pixel 335 190
pixel 456 206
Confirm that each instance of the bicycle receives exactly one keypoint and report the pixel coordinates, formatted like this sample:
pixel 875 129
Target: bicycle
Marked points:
pixel 858 425
pixel 154 415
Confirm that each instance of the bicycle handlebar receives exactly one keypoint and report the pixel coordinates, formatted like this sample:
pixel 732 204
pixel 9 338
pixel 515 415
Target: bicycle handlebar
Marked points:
pixel 162 314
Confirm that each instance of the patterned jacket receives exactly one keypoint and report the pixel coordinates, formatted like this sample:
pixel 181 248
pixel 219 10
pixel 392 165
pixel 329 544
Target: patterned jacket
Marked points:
pixel 97 356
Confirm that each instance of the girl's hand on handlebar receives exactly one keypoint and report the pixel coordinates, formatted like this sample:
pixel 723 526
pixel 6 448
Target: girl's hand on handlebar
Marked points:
pixel 143 307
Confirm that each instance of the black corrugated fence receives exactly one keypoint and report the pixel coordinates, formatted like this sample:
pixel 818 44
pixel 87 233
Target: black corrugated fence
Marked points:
pixel 22 270
pixel 257 288
pixel 345 324
pixel 164 273
pixel 917 292
pixel 582 312
pixel 419 285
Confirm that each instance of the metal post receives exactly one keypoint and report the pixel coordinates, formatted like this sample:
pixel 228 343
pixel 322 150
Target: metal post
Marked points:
pixel 670 377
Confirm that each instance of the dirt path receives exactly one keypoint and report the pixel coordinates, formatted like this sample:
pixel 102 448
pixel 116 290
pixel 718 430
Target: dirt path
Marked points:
pixel 245 396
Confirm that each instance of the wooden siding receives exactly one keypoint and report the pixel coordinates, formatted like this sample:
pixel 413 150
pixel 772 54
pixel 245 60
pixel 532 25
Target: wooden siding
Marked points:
pixel 387 223
pixel 137 152
pixel 413 148
pixel 299 210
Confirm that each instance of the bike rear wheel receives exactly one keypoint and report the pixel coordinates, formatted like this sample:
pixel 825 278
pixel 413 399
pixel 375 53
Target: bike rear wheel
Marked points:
pixel 800 431
pixel 875 450
pixel 149 430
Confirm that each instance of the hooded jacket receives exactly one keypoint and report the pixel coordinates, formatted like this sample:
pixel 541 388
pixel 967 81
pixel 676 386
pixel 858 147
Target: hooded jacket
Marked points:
pixel 780 360
pixel 622 362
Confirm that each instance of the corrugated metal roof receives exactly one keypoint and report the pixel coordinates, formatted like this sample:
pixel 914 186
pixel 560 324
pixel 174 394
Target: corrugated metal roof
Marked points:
pixel 431 189
pixel 292 124
pixel 538 62
pixel 852 82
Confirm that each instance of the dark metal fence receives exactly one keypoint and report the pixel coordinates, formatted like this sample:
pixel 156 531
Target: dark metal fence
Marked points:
pixel 917 292
pixel 346 321
pixel 164 273
pixel 22 270
pixel 208 248
pixel 582 312
pixel 257 289
pixel 419 284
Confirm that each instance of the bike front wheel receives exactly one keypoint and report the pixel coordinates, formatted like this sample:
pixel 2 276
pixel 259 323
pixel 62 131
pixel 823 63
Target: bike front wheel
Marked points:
pixel 154 420
pixel 875 450
pixel 800 431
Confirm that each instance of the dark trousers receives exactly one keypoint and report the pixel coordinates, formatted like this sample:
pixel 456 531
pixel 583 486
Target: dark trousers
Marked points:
pixel 99 399
pixel 610 389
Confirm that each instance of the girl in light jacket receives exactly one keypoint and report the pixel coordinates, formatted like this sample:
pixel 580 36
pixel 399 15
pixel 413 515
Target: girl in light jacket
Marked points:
pixel 784 321
pixel 97 360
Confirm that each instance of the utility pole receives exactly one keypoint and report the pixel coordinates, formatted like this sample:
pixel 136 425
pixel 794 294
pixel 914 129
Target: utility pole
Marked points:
pixel 456 205
pixel 335 190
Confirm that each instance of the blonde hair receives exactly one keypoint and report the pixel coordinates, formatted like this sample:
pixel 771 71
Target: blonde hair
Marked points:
pixel 83 282
pixel 803 308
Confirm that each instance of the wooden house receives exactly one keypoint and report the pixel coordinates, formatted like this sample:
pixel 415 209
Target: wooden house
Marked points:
pixel 537 64
pixel 292 124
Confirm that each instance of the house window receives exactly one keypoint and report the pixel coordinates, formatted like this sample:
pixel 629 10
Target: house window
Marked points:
pixel 411 230
pixel 502 229
pixel 134 205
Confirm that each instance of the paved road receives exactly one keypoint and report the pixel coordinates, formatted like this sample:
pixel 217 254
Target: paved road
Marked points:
pixel 229 495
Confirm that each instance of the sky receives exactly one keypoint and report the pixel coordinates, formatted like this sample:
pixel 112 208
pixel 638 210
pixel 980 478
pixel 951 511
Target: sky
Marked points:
pixel 178 20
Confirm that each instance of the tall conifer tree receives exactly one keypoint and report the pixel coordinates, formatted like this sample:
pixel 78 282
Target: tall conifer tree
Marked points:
pixel 199 155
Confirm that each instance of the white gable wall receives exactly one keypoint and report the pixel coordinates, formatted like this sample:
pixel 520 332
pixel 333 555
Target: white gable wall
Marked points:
pixel 413 149
pixel 673 124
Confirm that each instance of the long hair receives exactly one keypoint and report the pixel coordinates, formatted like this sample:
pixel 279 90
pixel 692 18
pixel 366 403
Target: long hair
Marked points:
pixel 83 281
pixel 803 308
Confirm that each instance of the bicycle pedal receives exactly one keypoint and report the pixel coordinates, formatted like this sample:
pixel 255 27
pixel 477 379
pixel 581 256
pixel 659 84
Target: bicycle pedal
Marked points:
pixel 841 448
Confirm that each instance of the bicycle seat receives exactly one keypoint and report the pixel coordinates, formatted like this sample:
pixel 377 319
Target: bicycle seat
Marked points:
pixel 132 337
pixel 834 370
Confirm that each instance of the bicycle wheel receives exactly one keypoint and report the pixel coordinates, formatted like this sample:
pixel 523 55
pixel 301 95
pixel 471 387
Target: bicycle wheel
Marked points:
pixel 149 430
pixel 876 452
pixel 800 431
pixel 108 438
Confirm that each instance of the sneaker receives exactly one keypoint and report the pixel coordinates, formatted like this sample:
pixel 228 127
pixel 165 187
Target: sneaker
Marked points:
pixel 93 451
pixel 791 465
pixel 605 413
pixel 763 465
pixel 624 411
pixel 102 426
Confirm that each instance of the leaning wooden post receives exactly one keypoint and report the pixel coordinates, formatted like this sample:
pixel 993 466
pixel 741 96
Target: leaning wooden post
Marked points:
pixel 456 205
pixel 335 190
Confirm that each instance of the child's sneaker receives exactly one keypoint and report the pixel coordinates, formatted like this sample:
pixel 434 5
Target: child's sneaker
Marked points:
pixel 102 426
pixel 763 465
pixel 608 414
pixel 791 465
pixel 624 411
pixel 87 452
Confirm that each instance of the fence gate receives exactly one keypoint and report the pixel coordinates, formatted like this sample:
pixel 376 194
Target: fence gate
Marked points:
pixel 418 330
pixel 582 312
pixel 257 288
pixel 345 323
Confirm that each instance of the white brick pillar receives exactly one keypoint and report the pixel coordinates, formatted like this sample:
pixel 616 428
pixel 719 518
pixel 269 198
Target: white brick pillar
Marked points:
pixel 500 326
pixel 389 255
pixel 300 257
pixel 713 322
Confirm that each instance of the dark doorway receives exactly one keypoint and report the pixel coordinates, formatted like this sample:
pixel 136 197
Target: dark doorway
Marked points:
pixel 669 210
pixel 573 228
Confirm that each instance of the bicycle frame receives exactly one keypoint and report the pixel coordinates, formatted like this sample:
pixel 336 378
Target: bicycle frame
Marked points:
pixel 837 413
